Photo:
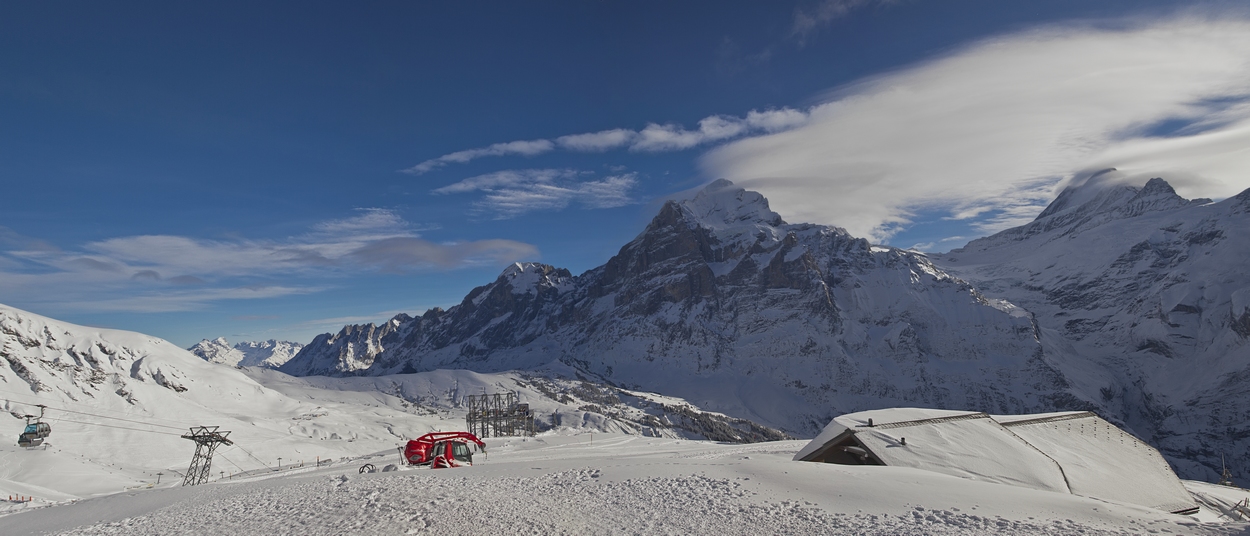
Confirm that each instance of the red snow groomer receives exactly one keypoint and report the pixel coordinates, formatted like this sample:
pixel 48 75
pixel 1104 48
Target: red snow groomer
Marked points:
pixel 442 449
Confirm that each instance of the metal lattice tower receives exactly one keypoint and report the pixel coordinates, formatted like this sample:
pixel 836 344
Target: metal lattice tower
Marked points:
pixel 1226 478
pixel 206 439
pixel 498 415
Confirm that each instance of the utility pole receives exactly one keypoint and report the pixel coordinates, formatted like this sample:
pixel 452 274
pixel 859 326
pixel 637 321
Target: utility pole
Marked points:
pixel 206 439
pixel 279 463
pixel 158 478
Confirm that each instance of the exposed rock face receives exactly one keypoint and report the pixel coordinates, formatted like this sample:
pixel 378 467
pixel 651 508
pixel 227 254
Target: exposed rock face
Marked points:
pixel 1141 297
pixel 721 302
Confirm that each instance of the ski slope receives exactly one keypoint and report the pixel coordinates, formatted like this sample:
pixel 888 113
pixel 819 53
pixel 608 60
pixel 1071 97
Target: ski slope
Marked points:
pixel 606 484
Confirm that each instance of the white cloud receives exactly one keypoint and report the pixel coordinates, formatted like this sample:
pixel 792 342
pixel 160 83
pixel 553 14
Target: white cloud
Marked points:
pixel 652 138
pixel 656 138
pixel 403 254
pixel 370 220
pixel 521 148
pixel 988 131
pixel 597 141
pixel 180 300
pixel 511 193
pixel 510 178
pixel 153 273
pixel 775 120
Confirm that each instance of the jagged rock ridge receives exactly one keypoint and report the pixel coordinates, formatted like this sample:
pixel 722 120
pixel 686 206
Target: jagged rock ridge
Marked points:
pixel 720 301
pixel 268 354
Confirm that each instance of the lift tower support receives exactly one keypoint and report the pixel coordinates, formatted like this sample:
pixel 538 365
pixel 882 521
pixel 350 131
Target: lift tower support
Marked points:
pixel 206 439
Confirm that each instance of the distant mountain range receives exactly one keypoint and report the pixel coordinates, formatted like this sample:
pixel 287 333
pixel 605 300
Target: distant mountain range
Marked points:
pixel 1129 301
pixel 267 354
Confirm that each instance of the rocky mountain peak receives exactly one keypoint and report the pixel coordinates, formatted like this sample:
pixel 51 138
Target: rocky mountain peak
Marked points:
pixel 1102 198
pixel 1105 192
pixel 528 277
pixel 1157 194
pixel 721 205
pixel 269 354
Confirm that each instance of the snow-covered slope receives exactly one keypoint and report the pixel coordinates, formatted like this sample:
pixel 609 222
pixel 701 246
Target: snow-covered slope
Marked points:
pixel 565 480
pixel 267 354
pixel 722 303
pixel 1143 300
pixel 118 401
pixel 614 484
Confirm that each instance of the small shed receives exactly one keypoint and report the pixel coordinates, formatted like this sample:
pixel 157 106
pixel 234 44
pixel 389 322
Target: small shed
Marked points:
pixel 1068 452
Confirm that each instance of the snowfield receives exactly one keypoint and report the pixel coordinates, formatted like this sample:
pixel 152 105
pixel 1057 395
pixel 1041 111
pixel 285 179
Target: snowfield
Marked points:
pixel 610 461
pixel 606 484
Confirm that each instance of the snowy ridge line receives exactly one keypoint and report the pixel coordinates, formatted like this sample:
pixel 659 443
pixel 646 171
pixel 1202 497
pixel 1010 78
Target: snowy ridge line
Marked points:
pixel 935 420
pixel 1044 420
pixel 720 300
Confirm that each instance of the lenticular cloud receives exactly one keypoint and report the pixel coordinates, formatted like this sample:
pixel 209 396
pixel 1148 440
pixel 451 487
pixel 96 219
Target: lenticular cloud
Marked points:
pixel 988 132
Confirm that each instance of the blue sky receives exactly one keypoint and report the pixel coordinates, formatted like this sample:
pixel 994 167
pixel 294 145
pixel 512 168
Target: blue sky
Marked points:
pixel 275 171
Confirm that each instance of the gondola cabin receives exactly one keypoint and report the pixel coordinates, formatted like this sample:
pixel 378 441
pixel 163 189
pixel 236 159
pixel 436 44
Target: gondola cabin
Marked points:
pixel 35 432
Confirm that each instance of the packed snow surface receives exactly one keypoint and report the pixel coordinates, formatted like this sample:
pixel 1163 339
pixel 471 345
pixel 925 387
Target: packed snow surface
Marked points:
pixel 606 484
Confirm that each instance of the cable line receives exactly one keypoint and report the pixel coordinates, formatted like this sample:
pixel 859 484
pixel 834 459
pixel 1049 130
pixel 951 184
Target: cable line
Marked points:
pixel 236 466
pixel 106 417
pixel 86 405
pixel 262 462
pixel 122 427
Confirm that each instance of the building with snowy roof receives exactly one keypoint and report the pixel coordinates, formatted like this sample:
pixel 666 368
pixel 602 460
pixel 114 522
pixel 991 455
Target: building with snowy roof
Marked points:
pixel 1070 452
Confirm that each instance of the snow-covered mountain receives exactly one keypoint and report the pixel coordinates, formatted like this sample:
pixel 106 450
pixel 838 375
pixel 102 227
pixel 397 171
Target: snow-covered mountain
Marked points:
pixel 118 402
pixel 722 303
pixel 1142 299
pixel 267 354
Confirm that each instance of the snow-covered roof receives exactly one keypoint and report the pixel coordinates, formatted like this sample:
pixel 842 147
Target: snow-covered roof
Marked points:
pixel 1073 452
pixel 1101 460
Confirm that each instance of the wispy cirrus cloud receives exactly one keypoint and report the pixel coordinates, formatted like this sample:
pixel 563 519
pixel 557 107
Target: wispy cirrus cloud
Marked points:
pixel 521 148
pixel 813 16
pixel 652 138
pixel 511 193
pixel 988 132
pixel 158 273
pixel 595 142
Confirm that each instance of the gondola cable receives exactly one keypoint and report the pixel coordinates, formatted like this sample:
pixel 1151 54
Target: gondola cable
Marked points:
pixel 262 462
pixel 9 399
pixel 121 427
pixel 103 416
